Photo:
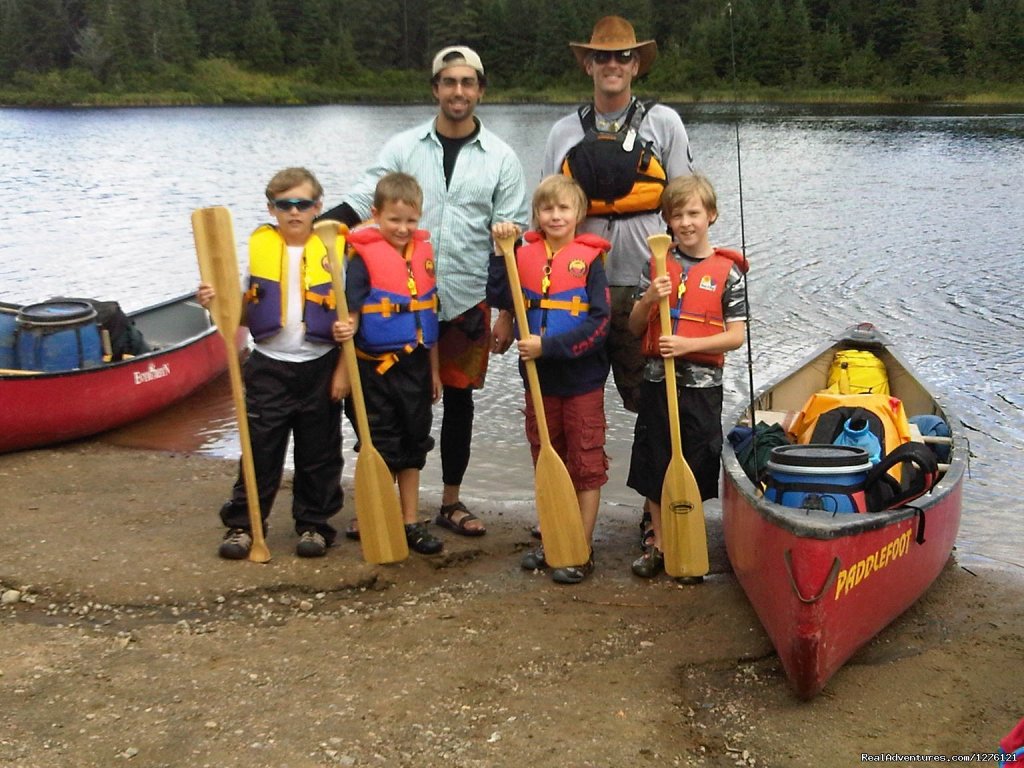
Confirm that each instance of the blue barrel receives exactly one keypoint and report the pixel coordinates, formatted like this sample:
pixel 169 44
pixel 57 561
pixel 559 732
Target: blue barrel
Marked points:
pixel 8 324
pixel 826 477
pixel 58 336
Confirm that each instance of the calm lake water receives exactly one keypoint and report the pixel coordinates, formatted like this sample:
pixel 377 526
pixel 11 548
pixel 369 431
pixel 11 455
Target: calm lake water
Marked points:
pixel 909 221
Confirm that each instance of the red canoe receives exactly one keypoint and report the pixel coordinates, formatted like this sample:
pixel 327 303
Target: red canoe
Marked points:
pixel 43 408
pixel 824 584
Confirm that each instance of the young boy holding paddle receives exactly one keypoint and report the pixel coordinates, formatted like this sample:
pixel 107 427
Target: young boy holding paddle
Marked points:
pixel 708 316
pixel 392 302
pixel 568 310
pixel 293 377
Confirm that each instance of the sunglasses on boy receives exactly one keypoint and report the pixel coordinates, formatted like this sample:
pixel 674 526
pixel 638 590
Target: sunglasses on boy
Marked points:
pixel 623 57
pixel 298 203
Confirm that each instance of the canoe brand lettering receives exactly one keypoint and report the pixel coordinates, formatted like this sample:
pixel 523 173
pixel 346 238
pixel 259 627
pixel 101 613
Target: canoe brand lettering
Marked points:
pixel 856 573
pixel 152 373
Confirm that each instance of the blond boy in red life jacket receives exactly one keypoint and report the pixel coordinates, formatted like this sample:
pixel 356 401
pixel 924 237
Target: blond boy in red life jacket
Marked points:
pixel 704 286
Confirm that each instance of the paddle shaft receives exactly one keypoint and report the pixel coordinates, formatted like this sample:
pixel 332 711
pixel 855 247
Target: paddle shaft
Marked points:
pixel 507 246
pixel 659 245
pixel 218 265
pixel 328 232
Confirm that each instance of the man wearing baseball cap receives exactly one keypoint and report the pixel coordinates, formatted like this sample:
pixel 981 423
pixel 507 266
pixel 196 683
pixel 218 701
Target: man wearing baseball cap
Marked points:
pixel 461 200
pixel 623 177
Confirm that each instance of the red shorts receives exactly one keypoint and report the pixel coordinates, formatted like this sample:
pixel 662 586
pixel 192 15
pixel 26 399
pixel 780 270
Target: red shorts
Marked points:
pixel 576 426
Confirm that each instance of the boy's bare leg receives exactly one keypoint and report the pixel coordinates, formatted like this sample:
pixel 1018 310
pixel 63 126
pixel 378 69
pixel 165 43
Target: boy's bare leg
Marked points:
pixel 590 502
pixel 409 493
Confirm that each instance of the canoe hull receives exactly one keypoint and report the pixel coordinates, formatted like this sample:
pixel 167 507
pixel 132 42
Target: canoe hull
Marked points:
pixel 824 586
pixel 46 408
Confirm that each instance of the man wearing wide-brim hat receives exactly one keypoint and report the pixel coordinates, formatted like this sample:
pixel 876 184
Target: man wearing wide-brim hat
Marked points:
pixel 578 145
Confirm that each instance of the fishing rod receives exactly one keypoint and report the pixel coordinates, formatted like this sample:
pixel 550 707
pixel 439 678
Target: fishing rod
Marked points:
pixel 743 250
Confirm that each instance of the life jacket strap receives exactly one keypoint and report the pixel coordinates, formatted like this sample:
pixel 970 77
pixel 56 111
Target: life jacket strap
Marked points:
pixel 386 307
pixel 327 302
pixel 386 359
pixel 576 307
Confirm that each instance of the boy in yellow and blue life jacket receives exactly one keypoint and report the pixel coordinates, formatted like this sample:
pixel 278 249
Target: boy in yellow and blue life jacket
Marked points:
pixel 392 301
pixel 708 310
pixel 568 309
pixel 294 379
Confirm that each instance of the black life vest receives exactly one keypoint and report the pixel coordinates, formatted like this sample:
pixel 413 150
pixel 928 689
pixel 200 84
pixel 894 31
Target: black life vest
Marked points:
pixel 620 173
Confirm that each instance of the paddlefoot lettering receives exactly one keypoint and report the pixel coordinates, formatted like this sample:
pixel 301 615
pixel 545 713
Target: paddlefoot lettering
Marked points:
pixel 152 373
pixel 856 573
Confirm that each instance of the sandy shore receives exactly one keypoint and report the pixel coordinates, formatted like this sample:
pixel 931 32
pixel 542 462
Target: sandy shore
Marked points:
pixel 126 638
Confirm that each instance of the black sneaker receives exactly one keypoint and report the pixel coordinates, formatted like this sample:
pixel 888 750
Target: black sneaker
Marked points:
pixel 421 540
pixel 573 574
pixel 534 559
pixel 649 564
pixel 311 544
pixel 236 544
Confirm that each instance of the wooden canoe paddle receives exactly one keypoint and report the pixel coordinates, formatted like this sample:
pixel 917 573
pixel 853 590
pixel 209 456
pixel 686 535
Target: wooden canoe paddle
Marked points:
pixel 378 509
pixel 683 536
pixel 558 508
pixel 215 246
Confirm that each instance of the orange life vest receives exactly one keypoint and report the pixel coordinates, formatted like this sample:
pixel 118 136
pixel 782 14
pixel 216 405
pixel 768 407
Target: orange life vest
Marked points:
pixel 696 309
pixel 555 284
pixel 401 309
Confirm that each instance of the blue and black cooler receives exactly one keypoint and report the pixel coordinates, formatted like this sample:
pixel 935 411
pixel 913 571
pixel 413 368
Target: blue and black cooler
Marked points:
pixel 824 477
pixel 57 336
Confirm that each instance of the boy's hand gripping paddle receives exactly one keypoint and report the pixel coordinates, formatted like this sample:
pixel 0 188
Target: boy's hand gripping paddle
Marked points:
pixel 558 509
pixel 378 509
pixel 218 266
pixel 683 536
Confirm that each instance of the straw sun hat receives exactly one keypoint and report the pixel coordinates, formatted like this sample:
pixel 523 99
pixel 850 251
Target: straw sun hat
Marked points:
pixel 614 33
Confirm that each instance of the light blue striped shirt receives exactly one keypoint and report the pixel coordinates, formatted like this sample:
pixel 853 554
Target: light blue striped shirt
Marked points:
pixel 487 187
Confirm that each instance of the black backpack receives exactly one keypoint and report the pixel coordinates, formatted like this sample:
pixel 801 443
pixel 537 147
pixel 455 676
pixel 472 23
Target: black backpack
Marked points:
pixel 920 472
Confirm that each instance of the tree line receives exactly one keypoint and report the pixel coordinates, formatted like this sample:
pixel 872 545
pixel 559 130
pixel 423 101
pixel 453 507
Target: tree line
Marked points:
pixel 112 45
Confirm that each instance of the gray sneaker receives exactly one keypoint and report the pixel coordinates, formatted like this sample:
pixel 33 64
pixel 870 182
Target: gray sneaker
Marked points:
pixel 573 574
pixel 533 560
pixel 311 544
pixel 236 544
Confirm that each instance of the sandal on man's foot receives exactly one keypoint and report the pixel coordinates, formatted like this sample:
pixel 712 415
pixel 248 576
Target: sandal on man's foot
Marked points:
pixel 646 539
pixel 352 531
pixel 458 525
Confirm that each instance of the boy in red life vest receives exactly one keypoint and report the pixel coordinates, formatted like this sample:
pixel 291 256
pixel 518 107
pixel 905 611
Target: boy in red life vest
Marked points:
pixel 704 286
pixel 392 301
pixel 294 379
pixel 568 310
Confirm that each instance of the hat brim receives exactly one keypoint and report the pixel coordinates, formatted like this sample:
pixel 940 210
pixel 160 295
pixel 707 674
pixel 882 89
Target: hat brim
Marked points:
pixel 646 53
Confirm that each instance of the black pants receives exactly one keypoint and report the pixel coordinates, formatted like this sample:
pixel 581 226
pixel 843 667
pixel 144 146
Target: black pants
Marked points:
pixel 700 427
pixel 456 434
pixel 292 399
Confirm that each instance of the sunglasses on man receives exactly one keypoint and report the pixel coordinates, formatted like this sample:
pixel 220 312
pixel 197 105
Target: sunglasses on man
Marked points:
pixel 623 57
pixel 298 203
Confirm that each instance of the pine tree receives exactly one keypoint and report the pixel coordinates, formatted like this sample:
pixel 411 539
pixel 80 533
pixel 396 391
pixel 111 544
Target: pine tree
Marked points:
pixel 263 42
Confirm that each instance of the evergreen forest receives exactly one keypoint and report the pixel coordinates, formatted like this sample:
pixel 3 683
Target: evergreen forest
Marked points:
pixel 259 51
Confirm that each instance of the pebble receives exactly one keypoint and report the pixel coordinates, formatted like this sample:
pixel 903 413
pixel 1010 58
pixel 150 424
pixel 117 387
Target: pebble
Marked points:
pixel 10 596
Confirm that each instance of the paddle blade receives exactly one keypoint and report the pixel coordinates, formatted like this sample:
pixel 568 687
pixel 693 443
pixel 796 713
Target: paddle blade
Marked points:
pixel 684 539
pixel 558 511
pixel 218 265
pixel 381 532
